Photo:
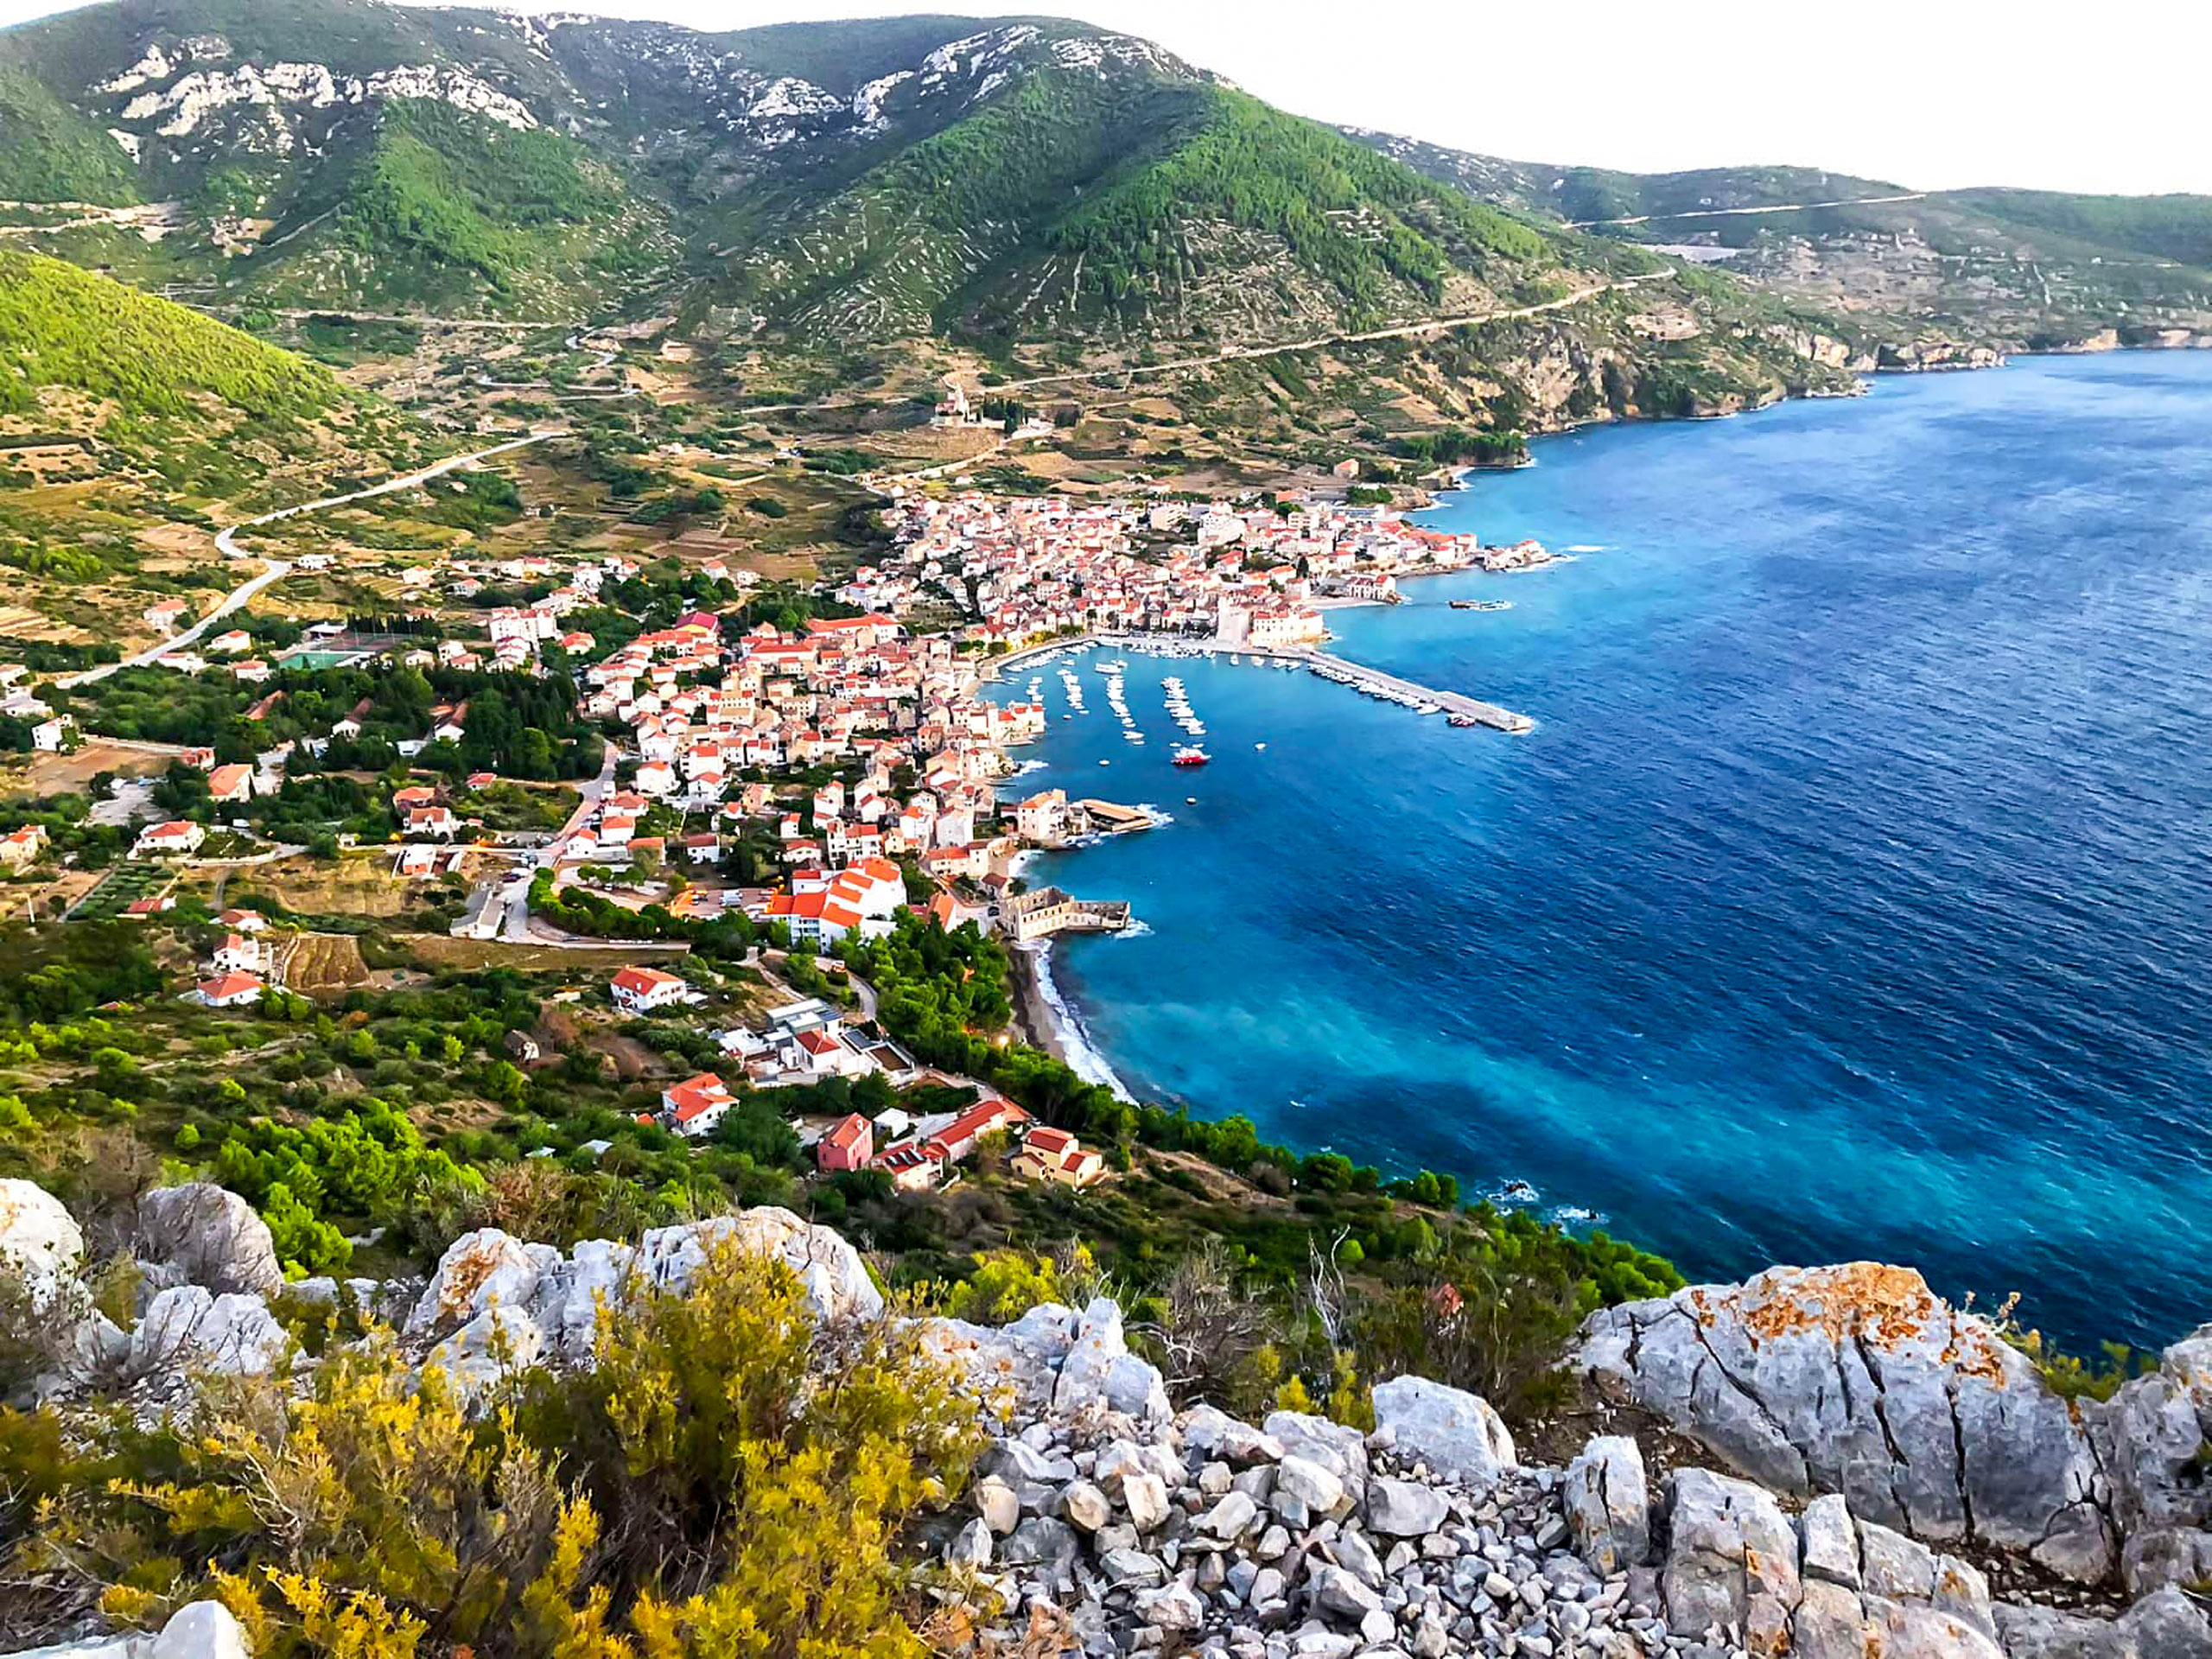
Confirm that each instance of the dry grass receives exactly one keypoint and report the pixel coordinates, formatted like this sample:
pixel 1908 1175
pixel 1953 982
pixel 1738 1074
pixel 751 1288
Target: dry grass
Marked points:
pixel 18 623
pixel 359 884
pixel 72 774
pixel 582 962
pixel 324 963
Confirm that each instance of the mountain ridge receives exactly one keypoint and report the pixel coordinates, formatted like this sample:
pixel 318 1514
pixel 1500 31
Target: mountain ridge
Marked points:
pixel 881 202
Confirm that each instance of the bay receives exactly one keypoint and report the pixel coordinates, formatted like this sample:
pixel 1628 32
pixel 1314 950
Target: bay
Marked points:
pixel 1850 899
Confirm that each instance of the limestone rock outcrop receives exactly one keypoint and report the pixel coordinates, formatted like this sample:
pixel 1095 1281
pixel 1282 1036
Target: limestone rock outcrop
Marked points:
pixel 496 1302
pixel 2158 1434
pixel 201 1234
pixel 1858 1380
pixel 1052 1358
pixel 188 1328
pixel 40 1241
pixel 2165 1625
pixel 198 1630
pixel 1873 1433
pixel 1454 1432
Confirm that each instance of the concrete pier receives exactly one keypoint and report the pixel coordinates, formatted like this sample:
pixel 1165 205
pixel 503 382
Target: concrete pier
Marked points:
pixel 1463 710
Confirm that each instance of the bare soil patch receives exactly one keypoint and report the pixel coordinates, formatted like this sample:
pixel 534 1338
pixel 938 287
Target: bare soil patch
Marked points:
pixel 322 964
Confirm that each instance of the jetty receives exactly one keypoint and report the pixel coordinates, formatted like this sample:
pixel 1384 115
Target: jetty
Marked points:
pixel 1461 709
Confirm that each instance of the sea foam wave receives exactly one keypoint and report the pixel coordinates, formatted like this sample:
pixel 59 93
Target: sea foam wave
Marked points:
pixel 1084 1057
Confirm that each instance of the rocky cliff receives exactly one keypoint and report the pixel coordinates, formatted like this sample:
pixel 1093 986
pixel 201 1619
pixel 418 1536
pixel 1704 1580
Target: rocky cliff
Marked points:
pixel 1877 1461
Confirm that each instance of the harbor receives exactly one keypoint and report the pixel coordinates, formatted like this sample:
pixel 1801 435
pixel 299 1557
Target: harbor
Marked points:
pixel 1459 710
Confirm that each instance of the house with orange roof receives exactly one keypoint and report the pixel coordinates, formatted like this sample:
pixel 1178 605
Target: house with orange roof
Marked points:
pixel 959 1139
pixel 640 990
pixel 168 840
pixel 231 784
pixel 1050 1154
pixel 20 847
pixel 694 1106
pixel 228 991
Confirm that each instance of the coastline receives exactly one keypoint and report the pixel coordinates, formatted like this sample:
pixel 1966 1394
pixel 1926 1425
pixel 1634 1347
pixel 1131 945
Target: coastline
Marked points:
pixel 1043 1019
pixel 1044 1016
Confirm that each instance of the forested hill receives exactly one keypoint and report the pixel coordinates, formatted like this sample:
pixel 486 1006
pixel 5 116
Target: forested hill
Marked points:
pixel 2015 269
pixel 841 182
pixel 166 409
pixel 61 327
pixel 1034 193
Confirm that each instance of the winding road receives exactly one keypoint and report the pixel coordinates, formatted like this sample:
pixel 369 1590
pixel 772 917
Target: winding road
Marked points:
pixel 276 569
pixel 1396 331
pixel 1743 213
pixel 1242 353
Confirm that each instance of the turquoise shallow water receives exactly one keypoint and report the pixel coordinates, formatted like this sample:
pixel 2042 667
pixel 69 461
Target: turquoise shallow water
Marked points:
pixel 1850 899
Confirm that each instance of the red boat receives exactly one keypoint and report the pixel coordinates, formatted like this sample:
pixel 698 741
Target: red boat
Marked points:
pixel 1188 756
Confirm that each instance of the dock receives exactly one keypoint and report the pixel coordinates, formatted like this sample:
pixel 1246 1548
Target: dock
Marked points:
pixel 1462 710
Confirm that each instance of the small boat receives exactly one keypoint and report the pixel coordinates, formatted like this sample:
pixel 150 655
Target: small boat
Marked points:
pixel 1190 755
pixel 1190 800
pixel 1482 604
pixel 1260 746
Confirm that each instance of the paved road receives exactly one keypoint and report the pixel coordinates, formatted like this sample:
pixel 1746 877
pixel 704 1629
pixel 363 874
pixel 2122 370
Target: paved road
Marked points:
pixel 244 594
pixel 515 925
pixel 1740 212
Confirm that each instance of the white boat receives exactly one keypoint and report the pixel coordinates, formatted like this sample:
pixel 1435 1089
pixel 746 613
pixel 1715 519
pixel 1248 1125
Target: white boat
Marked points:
pixel 1259 745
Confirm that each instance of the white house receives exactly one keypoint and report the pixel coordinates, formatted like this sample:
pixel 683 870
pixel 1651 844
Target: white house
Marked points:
pixel 695 1105
pixel 168 840
pixel 640 990
pixel 228 991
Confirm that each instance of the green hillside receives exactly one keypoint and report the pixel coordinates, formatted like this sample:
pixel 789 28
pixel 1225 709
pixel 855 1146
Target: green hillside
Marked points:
pixel 1069 203
pixel 451 190
pixel 50 153
pixel 2178 228
pixel 2009 269
pixel 1347 214
pixel 65 327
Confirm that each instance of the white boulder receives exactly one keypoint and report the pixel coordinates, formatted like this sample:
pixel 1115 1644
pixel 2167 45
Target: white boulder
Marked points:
pixel 202 1234
pixel 1454 1432
pixel 39 1239
pixel 188 1328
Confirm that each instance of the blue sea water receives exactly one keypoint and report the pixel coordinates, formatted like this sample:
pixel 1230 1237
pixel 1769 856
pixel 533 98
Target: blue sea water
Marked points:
pixel 1852 898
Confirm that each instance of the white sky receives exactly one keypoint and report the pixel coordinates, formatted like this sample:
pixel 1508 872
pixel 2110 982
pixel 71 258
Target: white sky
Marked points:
pixel 1931 94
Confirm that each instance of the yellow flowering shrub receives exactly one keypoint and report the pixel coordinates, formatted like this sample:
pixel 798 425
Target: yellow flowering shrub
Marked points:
pixel 729 1479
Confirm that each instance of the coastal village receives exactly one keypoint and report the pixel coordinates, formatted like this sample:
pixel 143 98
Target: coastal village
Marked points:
pixel 856 756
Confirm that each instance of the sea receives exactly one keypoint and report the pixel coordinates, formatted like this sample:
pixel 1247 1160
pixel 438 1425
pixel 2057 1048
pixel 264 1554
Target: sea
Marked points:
pixel 1852 898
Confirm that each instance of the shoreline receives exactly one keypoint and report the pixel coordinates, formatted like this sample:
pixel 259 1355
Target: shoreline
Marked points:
pixel 1044 1019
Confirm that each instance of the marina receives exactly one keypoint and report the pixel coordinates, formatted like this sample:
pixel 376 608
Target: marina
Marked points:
pixel 1459 708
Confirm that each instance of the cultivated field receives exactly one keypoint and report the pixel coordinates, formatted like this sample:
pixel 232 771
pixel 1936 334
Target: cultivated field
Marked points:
pixel 324 963
pixel 72 774
pixel 120 886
